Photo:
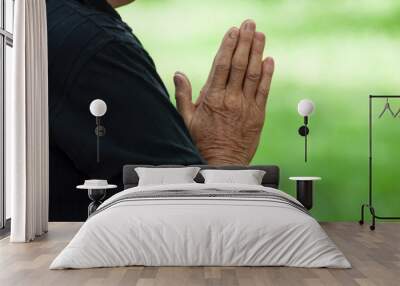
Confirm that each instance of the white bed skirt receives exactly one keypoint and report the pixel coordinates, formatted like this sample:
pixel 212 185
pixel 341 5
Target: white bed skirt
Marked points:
pixel 200 232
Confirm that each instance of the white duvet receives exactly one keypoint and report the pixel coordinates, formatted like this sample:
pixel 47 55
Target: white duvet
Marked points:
pixel 200 231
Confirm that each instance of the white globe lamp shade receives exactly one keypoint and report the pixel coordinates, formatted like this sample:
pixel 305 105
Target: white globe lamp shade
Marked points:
pixel 305 107
pixel 98 107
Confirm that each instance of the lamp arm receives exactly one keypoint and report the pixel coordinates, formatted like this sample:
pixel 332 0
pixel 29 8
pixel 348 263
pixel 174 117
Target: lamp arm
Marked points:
pixel 98 138
pixel 305 137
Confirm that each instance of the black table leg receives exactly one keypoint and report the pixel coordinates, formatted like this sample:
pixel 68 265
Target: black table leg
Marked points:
pixel 305 193
pixel 96 196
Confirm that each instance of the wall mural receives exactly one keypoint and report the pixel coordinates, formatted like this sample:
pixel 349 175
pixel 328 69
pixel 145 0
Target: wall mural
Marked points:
pixel 333 53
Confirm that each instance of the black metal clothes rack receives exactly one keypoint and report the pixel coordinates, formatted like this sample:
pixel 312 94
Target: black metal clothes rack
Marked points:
pixel 370 202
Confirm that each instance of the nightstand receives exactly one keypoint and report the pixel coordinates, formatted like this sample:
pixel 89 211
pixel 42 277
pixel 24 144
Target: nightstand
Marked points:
pixel 96 191
pixel 304 190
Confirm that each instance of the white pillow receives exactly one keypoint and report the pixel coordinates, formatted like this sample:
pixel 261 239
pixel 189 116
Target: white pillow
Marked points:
pixel 165 176
pixel 248 177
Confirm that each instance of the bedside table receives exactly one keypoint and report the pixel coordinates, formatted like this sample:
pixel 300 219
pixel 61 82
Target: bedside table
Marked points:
pixel 96 194
pixel 304 190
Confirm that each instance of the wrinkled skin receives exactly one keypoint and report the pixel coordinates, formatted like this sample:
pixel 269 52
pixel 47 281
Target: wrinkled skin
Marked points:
pixel 227 119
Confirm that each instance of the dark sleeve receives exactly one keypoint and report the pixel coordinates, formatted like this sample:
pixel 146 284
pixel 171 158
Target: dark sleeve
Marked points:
pixel 142 126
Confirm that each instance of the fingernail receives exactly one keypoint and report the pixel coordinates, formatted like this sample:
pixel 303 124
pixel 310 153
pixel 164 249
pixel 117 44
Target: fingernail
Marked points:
pixel 250 25
pixel 270 64
pixel 234 33
pixel 177 78
pixel 259 36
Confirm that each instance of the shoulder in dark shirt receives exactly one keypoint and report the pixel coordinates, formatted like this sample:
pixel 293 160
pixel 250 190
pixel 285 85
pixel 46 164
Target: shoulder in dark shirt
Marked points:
pixel 93 54
pixel 75 34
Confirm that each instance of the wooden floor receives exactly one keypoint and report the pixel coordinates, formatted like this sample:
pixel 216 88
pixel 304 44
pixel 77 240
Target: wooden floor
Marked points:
pixel 375 257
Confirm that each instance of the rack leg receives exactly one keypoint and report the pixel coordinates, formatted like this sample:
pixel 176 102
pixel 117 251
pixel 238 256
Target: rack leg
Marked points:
pixel 361 221
pixel 372 210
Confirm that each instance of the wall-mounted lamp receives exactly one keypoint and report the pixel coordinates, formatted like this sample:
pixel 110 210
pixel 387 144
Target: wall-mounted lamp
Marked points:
pixel 305 108
pixel 98 108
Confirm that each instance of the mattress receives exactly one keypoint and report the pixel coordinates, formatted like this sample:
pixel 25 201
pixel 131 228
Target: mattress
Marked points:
pixel 201 225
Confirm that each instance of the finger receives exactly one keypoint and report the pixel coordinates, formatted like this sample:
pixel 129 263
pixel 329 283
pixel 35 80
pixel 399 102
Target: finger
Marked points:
pixel 268 67
pixel 241 56
pixel 201 96
pixel 254 69
pixel 222 62
pixel 205 88
pixel 183 96
pixel 210 75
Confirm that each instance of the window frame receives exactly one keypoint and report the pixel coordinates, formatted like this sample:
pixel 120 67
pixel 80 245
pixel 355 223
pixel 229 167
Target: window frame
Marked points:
pixel 6 39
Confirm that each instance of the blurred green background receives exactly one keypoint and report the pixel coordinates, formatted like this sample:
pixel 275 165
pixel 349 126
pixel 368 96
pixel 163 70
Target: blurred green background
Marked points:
pixel 335 53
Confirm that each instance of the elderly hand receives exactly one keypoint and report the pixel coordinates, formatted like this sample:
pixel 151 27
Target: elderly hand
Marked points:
pixel 227 119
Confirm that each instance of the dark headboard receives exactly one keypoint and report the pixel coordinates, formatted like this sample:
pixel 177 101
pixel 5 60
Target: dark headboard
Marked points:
pixel 271 177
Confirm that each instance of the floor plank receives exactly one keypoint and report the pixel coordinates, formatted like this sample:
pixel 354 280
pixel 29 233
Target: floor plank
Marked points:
pixel 375 256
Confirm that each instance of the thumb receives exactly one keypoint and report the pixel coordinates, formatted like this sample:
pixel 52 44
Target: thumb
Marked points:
pixel 183 96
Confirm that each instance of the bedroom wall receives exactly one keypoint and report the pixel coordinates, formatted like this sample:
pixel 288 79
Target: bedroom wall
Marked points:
pixel 333 52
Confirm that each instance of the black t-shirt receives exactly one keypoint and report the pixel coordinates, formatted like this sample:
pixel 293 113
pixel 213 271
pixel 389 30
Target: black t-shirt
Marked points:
pixel 93 54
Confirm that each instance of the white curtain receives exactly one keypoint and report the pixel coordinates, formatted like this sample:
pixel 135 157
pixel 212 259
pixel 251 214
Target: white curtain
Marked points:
pixel 27 124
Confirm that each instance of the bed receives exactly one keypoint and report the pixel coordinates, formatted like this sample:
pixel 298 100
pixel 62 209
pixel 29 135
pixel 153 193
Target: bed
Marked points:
pixel 198 224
